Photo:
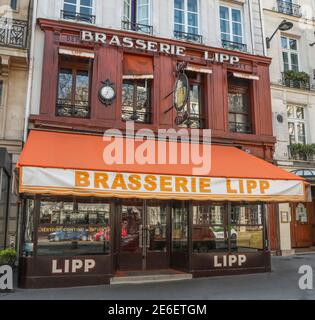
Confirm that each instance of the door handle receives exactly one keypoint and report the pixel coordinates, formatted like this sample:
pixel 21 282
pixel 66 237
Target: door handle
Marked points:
pixel 140 236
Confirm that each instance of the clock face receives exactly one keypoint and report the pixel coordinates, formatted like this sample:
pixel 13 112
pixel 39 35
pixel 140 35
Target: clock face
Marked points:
pixel 107 92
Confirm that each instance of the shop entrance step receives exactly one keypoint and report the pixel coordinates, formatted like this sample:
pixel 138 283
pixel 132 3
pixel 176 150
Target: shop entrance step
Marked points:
pixel 137 277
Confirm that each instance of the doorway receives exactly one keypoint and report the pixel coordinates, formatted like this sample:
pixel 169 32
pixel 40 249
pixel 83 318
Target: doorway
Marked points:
pixel 144 240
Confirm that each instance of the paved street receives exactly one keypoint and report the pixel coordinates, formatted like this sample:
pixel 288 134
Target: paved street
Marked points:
pixel 281 283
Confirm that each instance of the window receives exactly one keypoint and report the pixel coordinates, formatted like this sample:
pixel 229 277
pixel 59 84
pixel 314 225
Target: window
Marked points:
pixel 186 20
pixel 28 247
pixel 209 230
pixel 73 87
pixel 73 228
pixel 13 4
pixel 80 10
pixel 231 28
pixel 239 102
pixel 136 100
pixel 247 228
pixel 288 7
pixel 194 106
pixel 136 16
pixel 297 124
pixel 290 54
pixel 137 88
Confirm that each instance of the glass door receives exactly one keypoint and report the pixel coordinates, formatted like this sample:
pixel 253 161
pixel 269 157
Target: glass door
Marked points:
pixel 144 238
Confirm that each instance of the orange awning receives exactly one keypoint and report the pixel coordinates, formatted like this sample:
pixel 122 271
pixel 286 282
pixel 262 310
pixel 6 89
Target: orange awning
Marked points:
pixel 231 170
pixel 137 65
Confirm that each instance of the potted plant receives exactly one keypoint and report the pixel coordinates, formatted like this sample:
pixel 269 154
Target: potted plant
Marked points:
pixel 298 77
pixel 7 257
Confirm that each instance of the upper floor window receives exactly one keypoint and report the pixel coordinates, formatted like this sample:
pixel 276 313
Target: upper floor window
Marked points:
pixel 79 10
pixel 73 87
pixel 239 101
pixel 289 7
pixel 13 4
pixel 290 54
pixel 231 28
pixel 297 124
pixel 186 20
pixel 137 88
pixel 136 16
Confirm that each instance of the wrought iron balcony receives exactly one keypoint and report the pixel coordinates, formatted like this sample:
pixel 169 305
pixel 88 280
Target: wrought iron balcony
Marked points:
pixel 136 115
pixel 138 27
pixel 66 108
pixel 289 8
pixel 80 17
pixel 13 33
pixel 188 36
pixel 240 127
pixel 234 45
pixel 298 84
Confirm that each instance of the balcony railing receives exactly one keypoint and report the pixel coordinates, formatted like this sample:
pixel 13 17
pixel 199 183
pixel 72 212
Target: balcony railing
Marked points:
pixel 298 84
pixel 66 108
pixel 138 27
pixel 13 33
pixel 289 8
pixel 136 116
pixel 240 127
pixel 188 36
pixel 234 45
pixel 80 17
pixel 300 155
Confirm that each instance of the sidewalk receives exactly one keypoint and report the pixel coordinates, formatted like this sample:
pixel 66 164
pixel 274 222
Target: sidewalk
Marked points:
pixel 281 283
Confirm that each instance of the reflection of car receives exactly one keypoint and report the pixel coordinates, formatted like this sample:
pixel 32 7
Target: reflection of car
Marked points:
pixel 101 235
pixel 68 235
pixel 219 233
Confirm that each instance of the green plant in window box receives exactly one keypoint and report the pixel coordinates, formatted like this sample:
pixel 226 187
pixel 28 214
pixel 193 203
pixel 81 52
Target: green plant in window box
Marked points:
pixel 302 151
pixel 7 257
pixel 301 76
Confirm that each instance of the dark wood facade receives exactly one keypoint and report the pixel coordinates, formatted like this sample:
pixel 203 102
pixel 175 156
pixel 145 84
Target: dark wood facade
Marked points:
pixel 108 64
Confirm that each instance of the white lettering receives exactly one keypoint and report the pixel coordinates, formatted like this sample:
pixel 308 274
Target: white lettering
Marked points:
pixel 115 41
pixel 100 37
pixel 165 48
pixel 140 44
pixel 152 46
pixel 127 42
pixel 180 51
pixel 87 36
pixel 89 264
pixel 76 265
pixel 54 267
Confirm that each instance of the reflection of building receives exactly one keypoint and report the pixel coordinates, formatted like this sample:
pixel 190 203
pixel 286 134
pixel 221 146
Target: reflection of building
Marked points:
pixel 293 101
pixel 104 70
pixel 14 36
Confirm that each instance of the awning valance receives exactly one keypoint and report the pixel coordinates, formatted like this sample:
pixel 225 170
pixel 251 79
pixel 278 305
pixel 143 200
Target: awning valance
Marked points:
pixel 75 164
pixel 136 65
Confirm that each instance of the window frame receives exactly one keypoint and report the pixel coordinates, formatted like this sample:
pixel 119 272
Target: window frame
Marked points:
pixel 75 68
pixel 289 52
pixel 133 12
pixel 134 106
pixel 14 8
pixel 237 88
pixel 186 12
pixel 230 21
pixel 78 7
pixel 297 121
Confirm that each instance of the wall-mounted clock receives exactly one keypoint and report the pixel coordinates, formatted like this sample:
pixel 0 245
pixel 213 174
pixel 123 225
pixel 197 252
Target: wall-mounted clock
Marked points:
pixel 107 93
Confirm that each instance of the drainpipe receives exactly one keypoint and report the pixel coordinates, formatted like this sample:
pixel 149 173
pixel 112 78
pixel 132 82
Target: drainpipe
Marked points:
pixel 30 72
pixel 250 11
pixel 261 13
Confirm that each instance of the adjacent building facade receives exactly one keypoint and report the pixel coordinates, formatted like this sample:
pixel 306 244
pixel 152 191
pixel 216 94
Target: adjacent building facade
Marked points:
pixel 14 40
pixel 293 100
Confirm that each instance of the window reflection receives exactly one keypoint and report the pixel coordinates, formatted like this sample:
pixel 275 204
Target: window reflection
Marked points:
pixel 71 228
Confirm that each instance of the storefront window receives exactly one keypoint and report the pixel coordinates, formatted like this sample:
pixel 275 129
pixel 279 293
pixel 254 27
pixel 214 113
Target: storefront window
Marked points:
pixel 28 246
pixel 73 228
pixel 209 231
pixel 4 184
pixel 247 228
pixel 180 228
